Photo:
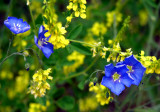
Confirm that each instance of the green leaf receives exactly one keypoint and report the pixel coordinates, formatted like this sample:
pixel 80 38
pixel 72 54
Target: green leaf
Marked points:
pixel 66 102
pixel 81 85
pixel 80 48
pixel 75 32
pixel 39 19
pixel 151 3
pixel 41 100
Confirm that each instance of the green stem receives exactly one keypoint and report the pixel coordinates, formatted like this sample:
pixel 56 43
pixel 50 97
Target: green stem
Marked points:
pixel 10 42
pixel 152 28
pixel 32 18
pixel 76 41
pixel 114 27
pixel 16 53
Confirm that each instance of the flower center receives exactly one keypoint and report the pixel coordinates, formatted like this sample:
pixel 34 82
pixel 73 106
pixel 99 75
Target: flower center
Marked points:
pixel 40 43
pixel 116 76
pixel 130 68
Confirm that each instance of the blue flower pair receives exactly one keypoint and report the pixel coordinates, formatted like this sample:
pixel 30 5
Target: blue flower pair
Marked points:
pixel 19 26
pixel 125 73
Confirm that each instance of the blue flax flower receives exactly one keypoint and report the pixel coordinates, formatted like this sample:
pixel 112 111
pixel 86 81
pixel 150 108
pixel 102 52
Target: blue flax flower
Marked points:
pixel 42 42
pixel 16 25
pixel 136 69
pixel 116 78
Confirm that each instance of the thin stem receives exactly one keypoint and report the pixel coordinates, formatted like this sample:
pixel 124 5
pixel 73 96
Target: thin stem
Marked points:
pixel 91 45
pixel 152 28
pixel 114 27
pixel 32 17
pixel 10 42
pixel 16 53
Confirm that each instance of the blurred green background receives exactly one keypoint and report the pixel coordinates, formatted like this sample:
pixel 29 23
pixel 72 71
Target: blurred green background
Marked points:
pixel 66 91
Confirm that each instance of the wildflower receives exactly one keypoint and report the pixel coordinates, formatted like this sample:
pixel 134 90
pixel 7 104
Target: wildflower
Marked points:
pixel 116 77
pixel 136 69
pixel 101 92
pixel 39 84
pixel 42 44
pixel 78 7
pixel 16 25
pixel 57 33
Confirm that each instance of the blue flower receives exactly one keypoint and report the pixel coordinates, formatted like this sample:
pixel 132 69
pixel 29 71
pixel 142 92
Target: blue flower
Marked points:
pixel 42 42
pixel 116 78
pixel 16 25
pixel 136 69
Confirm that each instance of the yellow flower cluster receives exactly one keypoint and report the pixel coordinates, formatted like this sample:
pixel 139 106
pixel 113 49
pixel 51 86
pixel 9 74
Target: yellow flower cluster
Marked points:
pixel 57 35
pixel 20 85
pixel 98 29
pixel 35 107
pixel 55 29
pixel 150 62
pixel 143 17
pixel 78 59
pixel 39 84
pixel 101 93
pixel 78 7
pixel 88 104
pixel 113 15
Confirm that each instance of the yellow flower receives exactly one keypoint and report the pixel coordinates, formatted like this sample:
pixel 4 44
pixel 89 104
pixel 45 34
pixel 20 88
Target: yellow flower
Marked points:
pixel 39 84
pixel 78 7
pixel 57 35
pixel 101 92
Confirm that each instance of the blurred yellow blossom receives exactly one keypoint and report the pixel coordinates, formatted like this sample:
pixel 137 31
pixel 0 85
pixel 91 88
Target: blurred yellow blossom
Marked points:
pixel 88 104
pixel 98 29
pixel 78 59
pixel 113 15
pixel 35 107
pixel 143 17
pixel 36 8
pixel 5 74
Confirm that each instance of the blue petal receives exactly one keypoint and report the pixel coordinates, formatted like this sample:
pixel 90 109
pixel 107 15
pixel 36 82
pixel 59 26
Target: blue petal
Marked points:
pixel 108 82
pixel 137 74
pixel 120 63
pixel 126 79
pixel 118 88
pixel 115 87
pixel 41 31
pixel 47 49
pixel 109 70
pixel 12 23
pixel 121 69
pixel 131 60
pixel 36 42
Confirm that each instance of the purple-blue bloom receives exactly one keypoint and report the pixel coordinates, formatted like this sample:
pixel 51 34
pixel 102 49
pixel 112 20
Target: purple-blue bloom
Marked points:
pixel 42 42
pixel 116 78
pixel 16 25
pixel 136 69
